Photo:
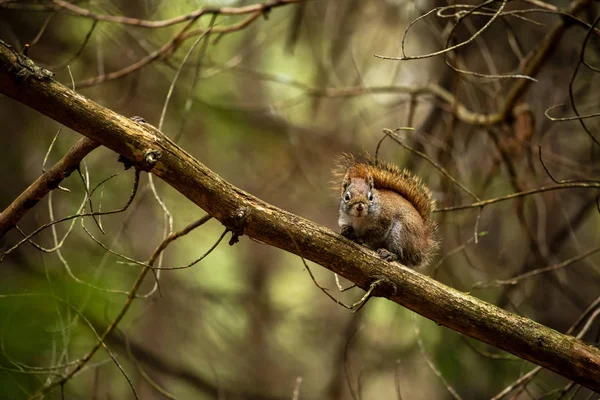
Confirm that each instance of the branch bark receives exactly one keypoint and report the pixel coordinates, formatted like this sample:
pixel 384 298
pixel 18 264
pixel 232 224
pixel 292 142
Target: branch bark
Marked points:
pixel 244 213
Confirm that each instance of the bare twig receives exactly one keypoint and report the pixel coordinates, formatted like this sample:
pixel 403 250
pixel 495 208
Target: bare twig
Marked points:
pixel 540 56
pixel 454 251
pixel 296 392
pixel 574 76
pixel 528 377
pixel 45 183
pixel 79 51
pixel 77 215
pixel 135 287
pixel 42 29
pixel 397 380
pixel 487 354
pixel 144 374
pixel 394 137
pixel 517 279
pixel 562 119
pixel 447 49
pixel 430 363
pixel 250 9
pixel 479 204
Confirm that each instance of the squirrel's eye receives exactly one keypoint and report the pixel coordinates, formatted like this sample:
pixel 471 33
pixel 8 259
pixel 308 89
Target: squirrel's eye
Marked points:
pixel 347 196
pixel 370 196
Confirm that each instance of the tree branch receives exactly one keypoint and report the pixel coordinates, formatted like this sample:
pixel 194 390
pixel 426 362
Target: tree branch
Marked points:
pixel 245 214
pixel 249 9
pixel 45 183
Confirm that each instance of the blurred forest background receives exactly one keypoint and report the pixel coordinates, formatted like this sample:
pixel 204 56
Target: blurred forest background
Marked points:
pixel 267 99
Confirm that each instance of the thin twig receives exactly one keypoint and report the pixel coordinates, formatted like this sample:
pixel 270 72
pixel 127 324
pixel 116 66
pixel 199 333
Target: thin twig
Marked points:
pixel 574 76
pixel 394 137
pixel 135 287
pixel 45 183
pixel 517 279
pixel 77 215
pixel 430 363
pixel 78 52
pixel 584 185
pixel 250 9
pixel 454 251
pixel 525 379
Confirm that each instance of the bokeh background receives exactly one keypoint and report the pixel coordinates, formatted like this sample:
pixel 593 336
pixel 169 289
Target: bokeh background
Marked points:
pixel 267 107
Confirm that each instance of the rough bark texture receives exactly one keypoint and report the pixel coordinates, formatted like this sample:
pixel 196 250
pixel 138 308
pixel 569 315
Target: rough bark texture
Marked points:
pixel 461 312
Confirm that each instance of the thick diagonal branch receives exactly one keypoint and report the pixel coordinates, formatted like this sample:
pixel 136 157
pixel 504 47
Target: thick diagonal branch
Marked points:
pixel 244 213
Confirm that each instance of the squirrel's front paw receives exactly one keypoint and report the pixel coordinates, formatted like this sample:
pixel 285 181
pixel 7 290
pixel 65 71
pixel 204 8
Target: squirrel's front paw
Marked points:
pixel 387 255
pixel 348 231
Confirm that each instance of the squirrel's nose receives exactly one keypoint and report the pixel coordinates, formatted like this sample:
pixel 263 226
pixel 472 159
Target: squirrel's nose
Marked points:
pixel 360 207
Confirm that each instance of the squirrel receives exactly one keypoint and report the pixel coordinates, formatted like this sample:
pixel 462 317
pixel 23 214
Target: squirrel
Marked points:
pixel 388 209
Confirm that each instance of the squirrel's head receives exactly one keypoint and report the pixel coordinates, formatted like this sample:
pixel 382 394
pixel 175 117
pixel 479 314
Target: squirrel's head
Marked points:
pixel 358 196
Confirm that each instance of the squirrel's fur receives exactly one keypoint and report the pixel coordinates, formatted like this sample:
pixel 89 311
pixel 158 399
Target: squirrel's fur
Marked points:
pixel 386 176
pixel 396 219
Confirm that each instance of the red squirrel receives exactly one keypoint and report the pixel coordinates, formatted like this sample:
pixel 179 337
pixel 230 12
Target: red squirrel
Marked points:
pixel 387 209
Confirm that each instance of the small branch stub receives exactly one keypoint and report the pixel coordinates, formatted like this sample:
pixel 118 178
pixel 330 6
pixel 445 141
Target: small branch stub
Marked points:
pixel 237 225
pixel 151 157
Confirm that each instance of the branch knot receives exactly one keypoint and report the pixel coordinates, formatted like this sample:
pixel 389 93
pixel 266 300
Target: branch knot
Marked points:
pixel 237 223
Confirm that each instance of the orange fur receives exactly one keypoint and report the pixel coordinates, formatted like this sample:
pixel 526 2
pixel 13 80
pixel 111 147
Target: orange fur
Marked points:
pixel 385 176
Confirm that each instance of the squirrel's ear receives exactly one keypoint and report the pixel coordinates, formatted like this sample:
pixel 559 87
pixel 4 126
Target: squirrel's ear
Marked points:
pixel 369 180
pixel 345 184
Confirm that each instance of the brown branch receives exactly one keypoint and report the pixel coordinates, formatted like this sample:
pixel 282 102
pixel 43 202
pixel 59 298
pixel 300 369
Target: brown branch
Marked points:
pixel 479 204
pixel 517 279
pixel 45 183
pixel 392 135
pixel 542 53
pixel 245 214
pixel 452 104
pixel 448 48
pixel 528 377
pixel 545 49
pixel 166 50
pixel 169 48
pixel 131 296
pixel 250 9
